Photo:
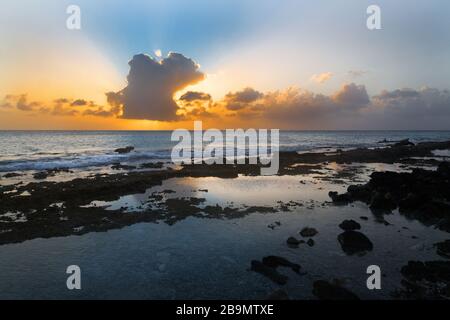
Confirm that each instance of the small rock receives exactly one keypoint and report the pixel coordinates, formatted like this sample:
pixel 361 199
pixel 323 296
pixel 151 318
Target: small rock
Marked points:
pixel 124 150
pixel 40 175
pixel 274 262
pixel 349 225
pixel 308 232
pixel 310 242
pixel 354 242
pixel 294 241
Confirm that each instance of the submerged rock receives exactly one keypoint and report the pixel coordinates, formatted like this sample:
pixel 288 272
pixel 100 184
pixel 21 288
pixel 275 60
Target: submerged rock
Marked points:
pixel 291 241
pixel 269 272
pixel 354 242
pixel 274 262
pixel 349 225
pixel 308 232
pixel 326 291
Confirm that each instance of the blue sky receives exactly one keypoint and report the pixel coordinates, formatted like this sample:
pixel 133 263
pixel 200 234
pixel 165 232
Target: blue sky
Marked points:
pixel 268 45
pixel 290 39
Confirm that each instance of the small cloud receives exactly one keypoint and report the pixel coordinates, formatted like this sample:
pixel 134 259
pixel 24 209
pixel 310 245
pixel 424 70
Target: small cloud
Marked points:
pixel 322 77
pixel 357 73
pixel 194 95
pixel 79 103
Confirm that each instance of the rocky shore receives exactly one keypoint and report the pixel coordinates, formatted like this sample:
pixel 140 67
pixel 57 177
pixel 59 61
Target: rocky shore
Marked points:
pixel 44 209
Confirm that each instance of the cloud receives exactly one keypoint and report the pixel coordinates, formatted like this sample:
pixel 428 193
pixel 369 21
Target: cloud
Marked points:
pixel 194 95
pixel 79 102
pixel 352 95
pixel 19 102
pixel 152 85
pixel 241 99
pixel 322 77
pixel 357 73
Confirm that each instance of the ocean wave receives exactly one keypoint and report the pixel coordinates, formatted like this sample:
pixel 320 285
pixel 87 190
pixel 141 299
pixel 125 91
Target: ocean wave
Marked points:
pixel 80 161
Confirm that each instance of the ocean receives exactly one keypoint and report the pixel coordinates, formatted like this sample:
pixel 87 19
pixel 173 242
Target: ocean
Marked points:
pixel 42 150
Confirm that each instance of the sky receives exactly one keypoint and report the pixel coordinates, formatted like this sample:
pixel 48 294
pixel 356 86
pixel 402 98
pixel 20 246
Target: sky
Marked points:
pixel 291 64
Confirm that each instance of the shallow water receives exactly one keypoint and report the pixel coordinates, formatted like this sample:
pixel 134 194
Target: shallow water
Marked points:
pixel 210 258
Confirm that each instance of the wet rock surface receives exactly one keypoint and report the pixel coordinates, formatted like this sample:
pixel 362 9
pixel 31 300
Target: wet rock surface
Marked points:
pixel 308 232
pixel 353 242
pixel 349 225
pixel 426 280
pixel 421 194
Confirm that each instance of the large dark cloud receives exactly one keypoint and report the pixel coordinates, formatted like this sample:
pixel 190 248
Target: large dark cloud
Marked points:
pixel 152 84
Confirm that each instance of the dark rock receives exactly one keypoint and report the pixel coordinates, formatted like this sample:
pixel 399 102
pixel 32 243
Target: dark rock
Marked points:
pixel 12 175
pixel 426 280
pixel 382 201
pixel 118 166
pixel 308 232
pixel 152 165
pixel 339 198
pixel 324 290
pixel 354 242
pixel 432 271
pixel 124 150
pixel 269 272
pixel 402 143
pixel 350 225
pixel 443 248
pixel 291 241
pixel 310 242
pixel 274 262
pixel 364 218
pixel 40 175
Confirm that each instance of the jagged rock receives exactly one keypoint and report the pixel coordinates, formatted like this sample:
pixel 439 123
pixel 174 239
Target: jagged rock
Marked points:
pixel 326 291
pixel 354 242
